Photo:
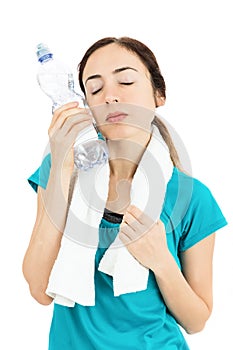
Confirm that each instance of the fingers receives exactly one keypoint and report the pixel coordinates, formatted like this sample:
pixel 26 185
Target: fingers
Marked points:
pixel 75 128
pixel 127 234
pixel 57 113
pixel 78 121
pixel 139 215
pixel 135 224
pixel 67 122
pixel 70 113
pixel 67 134
pixel 132 222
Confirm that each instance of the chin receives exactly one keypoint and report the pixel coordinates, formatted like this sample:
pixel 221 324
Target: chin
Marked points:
pixel 118 131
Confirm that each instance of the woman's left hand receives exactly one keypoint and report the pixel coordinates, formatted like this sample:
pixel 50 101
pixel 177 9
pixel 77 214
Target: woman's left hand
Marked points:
pixel 144 238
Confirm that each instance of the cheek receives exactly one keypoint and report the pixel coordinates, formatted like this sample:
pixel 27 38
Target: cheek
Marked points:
pixel 141 117
pixel 144 97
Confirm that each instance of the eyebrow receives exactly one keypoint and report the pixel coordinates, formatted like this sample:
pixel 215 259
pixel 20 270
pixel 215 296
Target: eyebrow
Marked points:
pixel 117 70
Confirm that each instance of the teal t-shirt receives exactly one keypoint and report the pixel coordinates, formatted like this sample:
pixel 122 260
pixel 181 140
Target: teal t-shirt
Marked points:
pixel 135 321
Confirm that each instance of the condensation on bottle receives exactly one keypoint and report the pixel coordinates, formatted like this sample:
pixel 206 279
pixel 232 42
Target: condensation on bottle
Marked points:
pixel 56 81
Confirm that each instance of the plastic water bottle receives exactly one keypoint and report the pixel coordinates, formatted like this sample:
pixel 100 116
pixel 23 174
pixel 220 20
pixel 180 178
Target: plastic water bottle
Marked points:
pixel 56 81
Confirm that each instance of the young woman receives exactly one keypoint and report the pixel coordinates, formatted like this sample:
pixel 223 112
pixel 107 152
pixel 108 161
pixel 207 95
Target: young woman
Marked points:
pixel 177 250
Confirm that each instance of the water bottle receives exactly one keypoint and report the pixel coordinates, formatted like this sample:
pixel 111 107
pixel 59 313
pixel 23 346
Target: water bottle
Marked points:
pixel 56 81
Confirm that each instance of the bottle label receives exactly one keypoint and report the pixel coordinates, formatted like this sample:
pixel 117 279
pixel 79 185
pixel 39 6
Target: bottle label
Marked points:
pixel 45 57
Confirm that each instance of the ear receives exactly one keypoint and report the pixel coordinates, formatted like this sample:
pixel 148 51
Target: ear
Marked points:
pixel 160 100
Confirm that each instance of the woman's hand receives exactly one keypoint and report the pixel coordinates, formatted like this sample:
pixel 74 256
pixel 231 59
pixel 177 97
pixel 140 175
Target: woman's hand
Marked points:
pixel 144 238
pixel 66 124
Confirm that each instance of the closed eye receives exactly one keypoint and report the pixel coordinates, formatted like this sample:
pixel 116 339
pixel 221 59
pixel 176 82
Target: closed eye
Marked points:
pixel 127 83
pixel 96 92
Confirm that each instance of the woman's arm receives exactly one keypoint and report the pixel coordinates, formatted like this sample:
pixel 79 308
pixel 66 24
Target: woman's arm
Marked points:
pixel 46 236
pixel 187 293
pixel 52 205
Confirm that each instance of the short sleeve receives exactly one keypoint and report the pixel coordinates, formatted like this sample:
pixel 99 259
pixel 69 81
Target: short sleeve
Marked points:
pixel 202 218
pixel 41 175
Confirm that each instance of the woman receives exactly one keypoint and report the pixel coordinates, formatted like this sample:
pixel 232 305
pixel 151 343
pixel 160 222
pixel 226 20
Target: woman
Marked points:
pixel 177 252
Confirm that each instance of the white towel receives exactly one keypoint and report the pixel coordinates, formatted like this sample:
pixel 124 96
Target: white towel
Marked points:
pixel 72 277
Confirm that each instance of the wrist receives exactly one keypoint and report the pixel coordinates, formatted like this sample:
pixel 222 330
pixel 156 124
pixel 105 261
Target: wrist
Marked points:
pixel 55 198
pixel 164 265
pixel 59 180
pixel 61 172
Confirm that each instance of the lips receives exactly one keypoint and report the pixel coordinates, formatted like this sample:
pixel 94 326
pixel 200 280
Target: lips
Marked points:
pixel 116 117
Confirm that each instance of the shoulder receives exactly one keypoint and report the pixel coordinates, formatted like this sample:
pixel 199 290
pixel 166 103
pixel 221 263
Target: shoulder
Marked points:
pixel 191 195
pixel 187 187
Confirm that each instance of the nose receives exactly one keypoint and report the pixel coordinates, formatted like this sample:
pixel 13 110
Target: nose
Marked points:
pixel 111 99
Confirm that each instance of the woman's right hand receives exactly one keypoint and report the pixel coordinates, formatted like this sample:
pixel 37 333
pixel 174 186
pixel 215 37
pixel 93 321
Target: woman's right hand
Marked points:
pixel 66 124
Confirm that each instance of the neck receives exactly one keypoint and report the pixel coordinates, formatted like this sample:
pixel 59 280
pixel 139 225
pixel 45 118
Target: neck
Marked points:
pixel 125 155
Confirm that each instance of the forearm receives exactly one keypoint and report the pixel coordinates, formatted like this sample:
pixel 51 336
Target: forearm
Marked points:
pixel 46 236
pixel 190 311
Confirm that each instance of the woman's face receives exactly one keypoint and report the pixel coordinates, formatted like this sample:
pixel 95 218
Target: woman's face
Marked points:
pixel 119 92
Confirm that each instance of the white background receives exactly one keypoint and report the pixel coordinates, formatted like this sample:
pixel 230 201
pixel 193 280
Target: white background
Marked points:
pixel 192 41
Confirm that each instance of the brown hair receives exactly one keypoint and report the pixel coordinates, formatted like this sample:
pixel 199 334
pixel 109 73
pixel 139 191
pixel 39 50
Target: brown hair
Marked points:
pixel 148 59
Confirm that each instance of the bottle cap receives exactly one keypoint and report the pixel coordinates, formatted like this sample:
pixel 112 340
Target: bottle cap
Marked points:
pixel 43 52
